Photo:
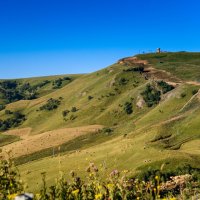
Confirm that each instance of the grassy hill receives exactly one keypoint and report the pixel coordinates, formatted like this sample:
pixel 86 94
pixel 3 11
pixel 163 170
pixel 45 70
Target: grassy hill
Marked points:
pixel 137 114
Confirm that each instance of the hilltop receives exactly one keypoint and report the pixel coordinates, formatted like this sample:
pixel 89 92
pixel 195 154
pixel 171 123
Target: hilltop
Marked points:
pixel 138 114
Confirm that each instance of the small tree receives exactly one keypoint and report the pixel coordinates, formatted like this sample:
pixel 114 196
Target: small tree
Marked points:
pixel 128 108
pixel 65 113
pixel 74 109
pixel 2 107
pixel 8 112
pixel 90 97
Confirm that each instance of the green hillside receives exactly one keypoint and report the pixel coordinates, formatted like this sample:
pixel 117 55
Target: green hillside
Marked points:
pixel 149 107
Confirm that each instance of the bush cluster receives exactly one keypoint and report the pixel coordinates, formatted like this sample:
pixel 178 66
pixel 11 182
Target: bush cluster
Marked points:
pixel 74 109
pixel 135 69
pixel 195 91
pixel 123 81
pixel 2 107
pixel 14 121
pixel 165 87
pixel 151 95
pixel 51 104
pixel 65 113
pixel 8 112
pixel 72 117
pixel 106 130
pixel 128 108
pixel 90 98
pixel 14 91
pixel 59 82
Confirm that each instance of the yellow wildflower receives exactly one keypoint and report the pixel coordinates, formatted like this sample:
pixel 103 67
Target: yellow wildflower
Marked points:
pixel 12 196
pixel 75 192
pixel 99 187
pixel 98 196
pixel 110 185
pixel 156 177
pixel 37 195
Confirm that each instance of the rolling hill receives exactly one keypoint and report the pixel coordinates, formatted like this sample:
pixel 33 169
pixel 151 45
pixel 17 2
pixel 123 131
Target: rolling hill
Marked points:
pixel 139 114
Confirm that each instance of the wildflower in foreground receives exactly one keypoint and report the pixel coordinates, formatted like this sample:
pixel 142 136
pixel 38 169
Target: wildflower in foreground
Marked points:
pixel 98 196
pixel 110 185
pixel 37 196
pixel 12 196
pixel 75 192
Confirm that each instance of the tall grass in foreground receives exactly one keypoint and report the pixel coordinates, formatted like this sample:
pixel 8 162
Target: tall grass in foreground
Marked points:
pixel 118 185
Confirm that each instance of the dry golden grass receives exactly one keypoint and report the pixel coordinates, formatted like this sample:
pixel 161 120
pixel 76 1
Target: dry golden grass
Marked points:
pixel 191 147
pixel 22 132
pixel 30 144
pixel 18 105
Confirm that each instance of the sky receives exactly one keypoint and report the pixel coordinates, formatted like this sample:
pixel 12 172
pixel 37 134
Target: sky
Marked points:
pixel 47 37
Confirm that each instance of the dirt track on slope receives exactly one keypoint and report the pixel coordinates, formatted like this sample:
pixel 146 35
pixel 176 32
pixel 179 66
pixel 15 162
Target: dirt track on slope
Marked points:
pixel 30 144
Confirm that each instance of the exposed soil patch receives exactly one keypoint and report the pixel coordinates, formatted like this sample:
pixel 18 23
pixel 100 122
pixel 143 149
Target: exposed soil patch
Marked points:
pixel 158 74
pixel 132 60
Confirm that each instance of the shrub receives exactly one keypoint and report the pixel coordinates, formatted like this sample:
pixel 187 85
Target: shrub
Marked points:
pixel 194 91
pixel 40 85
pixel 8 112
pixel 151 95
pixel 128 108
pixel 135 69
pixel 123 81
pixel 72 117
pixel 106 130
pixel 51 104
pixel 183 95
pixel 67 78
pixel 14 121
pixel 8 84
pixel 165 86
pixel 59 82
pixel 74 109
pixel 65 113
pixel 2 107
pixel 90 97
pixel 14 91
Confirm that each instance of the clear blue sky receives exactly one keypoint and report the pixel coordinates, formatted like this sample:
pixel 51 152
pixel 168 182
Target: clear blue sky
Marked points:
pixel 43 37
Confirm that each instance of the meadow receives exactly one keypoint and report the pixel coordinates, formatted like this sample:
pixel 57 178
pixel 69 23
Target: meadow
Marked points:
pixel 141 125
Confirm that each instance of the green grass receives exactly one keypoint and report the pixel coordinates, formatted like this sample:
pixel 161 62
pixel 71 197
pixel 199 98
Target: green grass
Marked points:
pixel 183 65
pixel 148 136
pixel 78 144
pixel 7 139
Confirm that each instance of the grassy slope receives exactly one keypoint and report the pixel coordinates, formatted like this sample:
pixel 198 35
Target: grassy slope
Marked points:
pixel 153 135
pixel 46 89
pixel 7 139
pixel 183 65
